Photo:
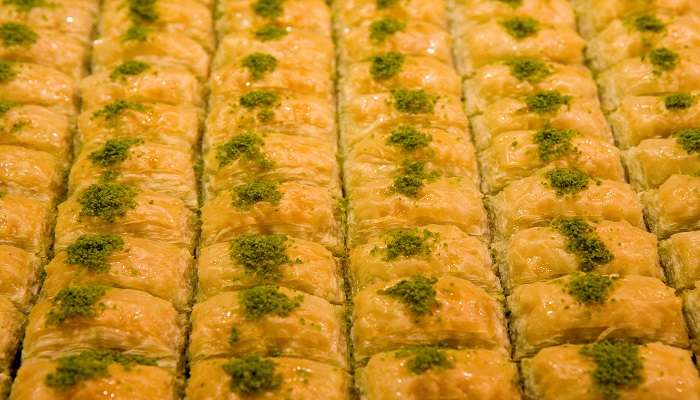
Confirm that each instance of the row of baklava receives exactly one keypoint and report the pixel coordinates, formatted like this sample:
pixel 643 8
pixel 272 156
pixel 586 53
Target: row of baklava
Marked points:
pixel 583 276
pixel 648 65
pixel 43 55
pixel 268 319
pixel 428 320
pixel 111 315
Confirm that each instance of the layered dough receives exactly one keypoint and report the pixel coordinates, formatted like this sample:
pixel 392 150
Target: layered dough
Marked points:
pixel 37 127
pixel 12 321
pixel 136 382
pixel 30 173
pixel 691 300
pixel 18 275
pixel 636 308
pixel 300 379
pixel 312 269
pixel 674 206
pixel 646 117
pixel 40 85
pixel 514 155
pixel 160 269
pixel 155 216
pixel 375 207
pixel 293 158
pixel 313 330
pixel 474 374
pixel 186 17
pixel 127 320
pixel 176 126
pixel 148 166
pixel 563 373
pixel 308 15
pixel 493 82
pixel 69 16
pixel 354 12
pixel 582 115
pixel 304 210
pixel 619 40
pixel 167 85
pixel 654 161
pixel 159 48
pixel 638 77
pixel 681 257
pixel 530 202
pixel 25 223
pixel 294 114
pixel 452 252
pixel 555 12
pixel 540 253
pixel 465 316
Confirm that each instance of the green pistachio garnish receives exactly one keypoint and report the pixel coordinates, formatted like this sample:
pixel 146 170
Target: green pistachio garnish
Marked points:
pixel 521 27
pixel 413 101
pixel 425 358
pixel 259 64
pixel 114 110
pixel 91 251
pixel 408 138
pixel 261 301
pixel 689 140
pixel 16 34
pixel 107 200
pixel 412 177
pixel 113 152
pixel 259 190
pixel 136 33
pixel 409 243
pixel 566 181
pixel 261 255
pixel 387 65
pixel 663 60
pixel 583 241
pixel 532 70
pixel 270 32
pixel 76 301
pixel 142 11
pixel 129 68
pixel 554 143
pixel 417 294
pixel 546 101
pixel 268 8
pixel 590 288
pixel 252 375
pixel 678 101
pixel 380 30
pixel 618 366
pixel 647 23
pixel 248 146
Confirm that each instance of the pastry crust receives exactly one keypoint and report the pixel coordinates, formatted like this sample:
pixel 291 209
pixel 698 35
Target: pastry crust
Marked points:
pixel 306 15
pixel 155 216
pixel 674 206
pixel 563 373
pixel 637 308
pixel 354 12
pixel 185 17
pixel 301 379
pixel 540 253
pixel 453 253
pixel 30 173
pixel 157 268
pixel 40 85
pixel 312 269
pixel 531 202
pixel 691 306
pixel 466 316
pixel 25 223
pixel 137 382
pixel 474 374
pixel 128 320
pixel 18 275
pixel 314 330
pixel 167 85
pixel 515 154
pixel 39 128
pixel 654 161
pixel 555 12
pixel 681 257
pixel 159 48
pixel 75 17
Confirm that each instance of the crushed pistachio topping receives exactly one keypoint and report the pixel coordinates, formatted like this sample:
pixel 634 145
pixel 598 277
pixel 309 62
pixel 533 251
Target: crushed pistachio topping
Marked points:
pixel 678 101
pixel 380 30
pixel 412 177
pixel 512 3
pixel 260 301
pixel 589 287
pixel 409 243
pixel 583 241
pixel 532 70
pixel 259 64
pixel 7 72
pixel 520 27
pixel 246 145
pixel 5 106
pixel 268 8
pixel 233 337
pixel 262 99
pixel 261 255
pixel 107 200
pixel 129 68
pixel 252 374
pixel 90 364
pixel 566 181
pixel 113 152
pixel 618 366
pixel 25 5
pixel 114 110
pixel 259 190
pixel 136 33
pixel 546 101
pixel 270 32
pixel 76 301
pixel 143 11
pixel 647 23
pixel 554 143
pixel 16 34
pixel 387 65
pixel 417 293
pixel 425 358
pixel 408 138
pixel 663 60
pixel 381 4
pixel 413 101
pixel 689 140
pixel 91 251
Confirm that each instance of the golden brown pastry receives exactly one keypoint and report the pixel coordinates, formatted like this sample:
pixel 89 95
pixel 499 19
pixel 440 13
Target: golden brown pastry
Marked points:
pixel 354 12
pixel 30 173
pixel 681 256
pixel 674 206
pixel 653 161
pixel 18 275
pixel 76 17
pixel 27 83
pixel 253 16
pixel 555 12
pixel 25 223
pixel 35 127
